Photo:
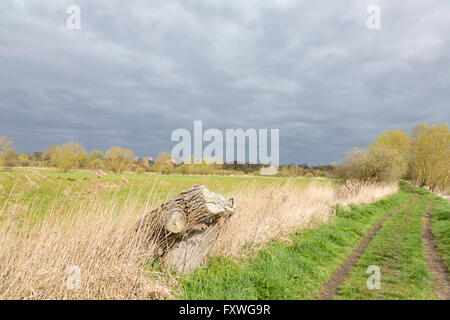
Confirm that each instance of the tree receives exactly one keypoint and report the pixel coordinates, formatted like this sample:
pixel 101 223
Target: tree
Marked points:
pixel 24 160
pixel 284 172
pixel 97 164
pixel 10 158
pixel 296 171
pixel 374 164
pixel 37 156
pixel 320 173
pixel 83 159
pixel 163 163
pixel 430 156
pixel 5 144
pixel 68 156
pixel 119 158
pixel 48 152
pixel 397 140
pixel 96 154
pixel 96 159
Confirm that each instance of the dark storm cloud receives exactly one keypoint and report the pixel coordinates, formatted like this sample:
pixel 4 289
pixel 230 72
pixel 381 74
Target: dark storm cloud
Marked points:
pixel 139 69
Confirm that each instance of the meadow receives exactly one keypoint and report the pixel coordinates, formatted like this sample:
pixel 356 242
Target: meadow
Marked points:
pixel 52 222
pixel 309 261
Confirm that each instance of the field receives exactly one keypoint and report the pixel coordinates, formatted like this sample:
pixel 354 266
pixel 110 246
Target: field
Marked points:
pixel 327 262
pixel 290 238
pixel 48 185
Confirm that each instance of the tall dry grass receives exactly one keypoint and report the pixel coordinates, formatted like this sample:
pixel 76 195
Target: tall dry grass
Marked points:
pixel 40 255
pixel 82 249
pixel 266 213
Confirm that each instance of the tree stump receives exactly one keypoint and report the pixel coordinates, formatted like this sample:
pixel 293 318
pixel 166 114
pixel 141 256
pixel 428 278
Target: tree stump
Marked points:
pixel 185 228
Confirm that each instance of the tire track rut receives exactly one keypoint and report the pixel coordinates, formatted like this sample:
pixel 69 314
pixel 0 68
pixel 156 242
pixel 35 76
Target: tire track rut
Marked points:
pixel 330 289
pixel 439 272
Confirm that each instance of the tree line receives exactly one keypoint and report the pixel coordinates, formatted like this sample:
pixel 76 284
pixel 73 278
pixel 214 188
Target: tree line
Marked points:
pixel 72 155
pixel 422 156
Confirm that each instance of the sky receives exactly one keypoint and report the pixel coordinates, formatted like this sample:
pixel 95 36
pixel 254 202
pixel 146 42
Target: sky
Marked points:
pixel 137 70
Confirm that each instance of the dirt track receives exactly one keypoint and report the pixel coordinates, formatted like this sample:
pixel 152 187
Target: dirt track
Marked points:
pixel 329 289
pixel 439 272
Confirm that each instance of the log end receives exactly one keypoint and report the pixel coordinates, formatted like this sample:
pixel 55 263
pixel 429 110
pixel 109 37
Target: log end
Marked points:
pixel 176 222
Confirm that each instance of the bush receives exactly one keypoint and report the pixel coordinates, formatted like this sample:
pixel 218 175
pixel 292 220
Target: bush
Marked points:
pixel 320 173
pixel 71 155
pixel 139 170
pixel 163 163
pixel 10 158
pixel 5 144
pixel 24 160
pixel 119 158
pixel 374 164
pixel 97 164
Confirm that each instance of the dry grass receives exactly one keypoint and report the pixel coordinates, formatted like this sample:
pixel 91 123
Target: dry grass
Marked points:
pixel 444 194
pixel 267 213
pixel 40 255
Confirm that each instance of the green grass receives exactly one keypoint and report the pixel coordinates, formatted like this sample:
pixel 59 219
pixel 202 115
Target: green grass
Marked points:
pixel 293 269
pixel 440 226
pixel 289 271
pixel 440 223
pixel 397 249
pixel 142 187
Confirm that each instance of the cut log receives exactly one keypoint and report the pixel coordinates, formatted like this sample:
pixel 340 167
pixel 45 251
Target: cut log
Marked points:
pixel 173 217
pixel 191 253
pixel 186 227
pixel 175 222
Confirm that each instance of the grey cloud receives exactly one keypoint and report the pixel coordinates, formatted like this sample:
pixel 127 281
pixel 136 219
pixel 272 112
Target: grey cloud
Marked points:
pixel 139 69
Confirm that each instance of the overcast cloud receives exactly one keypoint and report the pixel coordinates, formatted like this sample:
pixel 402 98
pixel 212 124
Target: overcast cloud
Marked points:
pixel 137 70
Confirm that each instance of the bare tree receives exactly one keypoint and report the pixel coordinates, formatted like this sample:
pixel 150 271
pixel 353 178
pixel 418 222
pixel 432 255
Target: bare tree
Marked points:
pixel 5 144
